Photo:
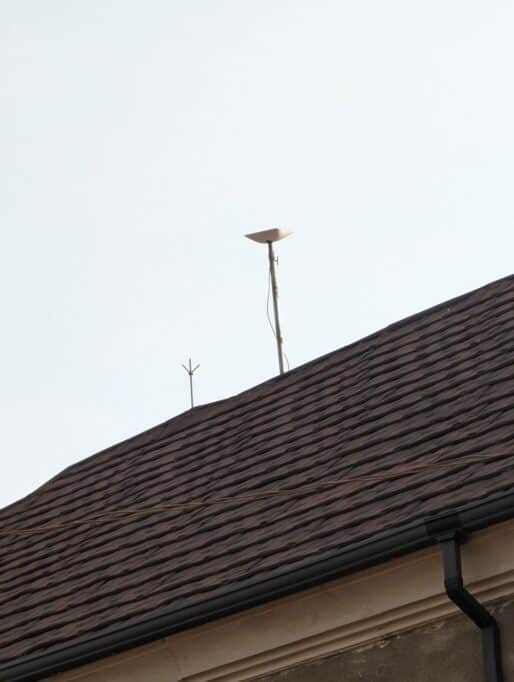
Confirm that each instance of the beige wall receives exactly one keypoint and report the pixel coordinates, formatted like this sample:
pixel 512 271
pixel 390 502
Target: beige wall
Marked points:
pixel 447 651
pixel 354 613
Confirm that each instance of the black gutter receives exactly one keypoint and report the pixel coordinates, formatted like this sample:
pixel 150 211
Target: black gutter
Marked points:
pixel 447 530
pixel 328 567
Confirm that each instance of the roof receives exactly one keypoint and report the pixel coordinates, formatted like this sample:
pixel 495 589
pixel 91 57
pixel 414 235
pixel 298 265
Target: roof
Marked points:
pixel 339 454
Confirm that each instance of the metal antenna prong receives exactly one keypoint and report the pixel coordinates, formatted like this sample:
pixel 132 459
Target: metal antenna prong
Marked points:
pixel 191 370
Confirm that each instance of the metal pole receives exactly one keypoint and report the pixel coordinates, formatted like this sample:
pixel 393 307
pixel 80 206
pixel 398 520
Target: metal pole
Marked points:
pixel 191 370
pixel 274 289
pixel 191 384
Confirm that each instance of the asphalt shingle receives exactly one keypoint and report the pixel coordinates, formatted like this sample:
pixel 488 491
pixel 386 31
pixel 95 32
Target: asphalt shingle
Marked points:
pixel 408 421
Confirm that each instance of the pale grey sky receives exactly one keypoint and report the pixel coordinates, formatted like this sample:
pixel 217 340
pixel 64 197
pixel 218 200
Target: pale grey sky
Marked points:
pixel 141 139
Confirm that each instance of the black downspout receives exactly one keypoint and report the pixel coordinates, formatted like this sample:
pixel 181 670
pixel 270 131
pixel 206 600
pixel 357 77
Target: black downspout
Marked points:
pixel 447 533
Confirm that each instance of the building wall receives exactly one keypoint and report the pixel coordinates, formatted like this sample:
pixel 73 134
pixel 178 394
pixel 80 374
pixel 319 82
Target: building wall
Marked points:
pixel 392 622
pixel 448 651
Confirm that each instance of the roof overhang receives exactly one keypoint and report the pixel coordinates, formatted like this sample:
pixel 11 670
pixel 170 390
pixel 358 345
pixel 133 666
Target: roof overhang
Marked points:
pixel 343 561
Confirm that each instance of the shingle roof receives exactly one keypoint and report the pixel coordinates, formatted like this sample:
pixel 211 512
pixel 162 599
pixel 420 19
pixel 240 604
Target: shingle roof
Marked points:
pixel 435 390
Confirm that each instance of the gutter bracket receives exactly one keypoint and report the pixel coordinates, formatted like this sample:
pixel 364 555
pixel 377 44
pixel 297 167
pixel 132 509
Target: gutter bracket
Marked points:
pixel 447 531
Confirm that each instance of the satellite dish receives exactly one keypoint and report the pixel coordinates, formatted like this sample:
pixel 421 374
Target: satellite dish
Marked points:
pixel 268 236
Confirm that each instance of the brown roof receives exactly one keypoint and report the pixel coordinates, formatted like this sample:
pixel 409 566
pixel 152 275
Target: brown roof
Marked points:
pixel 353 446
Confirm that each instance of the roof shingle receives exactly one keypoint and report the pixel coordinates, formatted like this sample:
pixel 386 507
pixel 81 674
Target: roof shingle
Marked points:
pixel 414 419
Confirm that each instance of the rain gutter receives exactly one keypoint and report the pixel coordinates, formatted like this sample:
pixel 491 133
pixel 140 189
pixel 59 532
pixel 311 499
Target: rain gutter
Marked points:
pixel 253 592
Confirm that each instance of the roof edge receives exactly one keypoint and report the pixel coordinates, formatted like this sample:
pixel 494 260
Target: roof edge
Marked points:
pixel 184 420
pixel 473 517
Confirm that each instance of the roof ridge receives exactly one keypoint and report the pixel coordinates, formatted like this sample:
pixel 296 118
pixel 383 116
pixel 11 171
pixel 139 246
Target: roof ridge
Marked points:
pixel 150 474
pixel 188 418
pixel 162 444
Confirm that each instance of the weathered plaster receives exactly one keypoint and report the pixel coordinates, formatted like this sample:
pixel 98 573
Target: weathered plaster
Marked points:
pixel 449 650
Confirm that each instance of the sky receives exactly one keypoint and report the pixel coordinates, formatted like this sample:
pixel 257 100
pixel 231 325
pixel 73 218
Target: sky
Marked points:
pixel 141 140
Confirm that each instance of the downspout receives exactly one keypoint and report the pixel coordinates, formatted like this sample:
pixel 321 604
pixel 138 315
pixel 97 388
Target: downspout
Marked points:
pixel 446 530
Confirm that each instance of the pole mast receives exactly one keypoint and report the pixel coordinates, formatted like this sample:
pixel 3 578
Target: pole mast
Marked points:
pixel 268 237
pixel 274 289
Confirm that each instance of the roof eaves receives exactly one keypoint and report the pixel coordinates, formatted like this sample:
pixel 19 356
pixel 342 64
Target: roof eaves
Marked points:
pixel 473 517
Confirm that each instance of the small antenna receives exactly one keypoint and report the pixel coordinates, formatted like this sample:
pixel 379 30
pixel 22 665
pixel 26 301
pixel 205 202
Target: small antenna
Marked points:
pixel 268 237
pixel 191 370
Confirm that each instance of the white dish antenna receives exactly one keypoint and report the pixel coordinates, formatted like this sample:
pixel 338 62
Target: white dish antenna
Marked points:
pixel 269 236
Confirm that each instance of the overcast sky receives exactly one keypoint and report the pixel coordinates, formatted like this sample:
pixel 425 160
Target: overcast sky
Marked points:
pixel 141 139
